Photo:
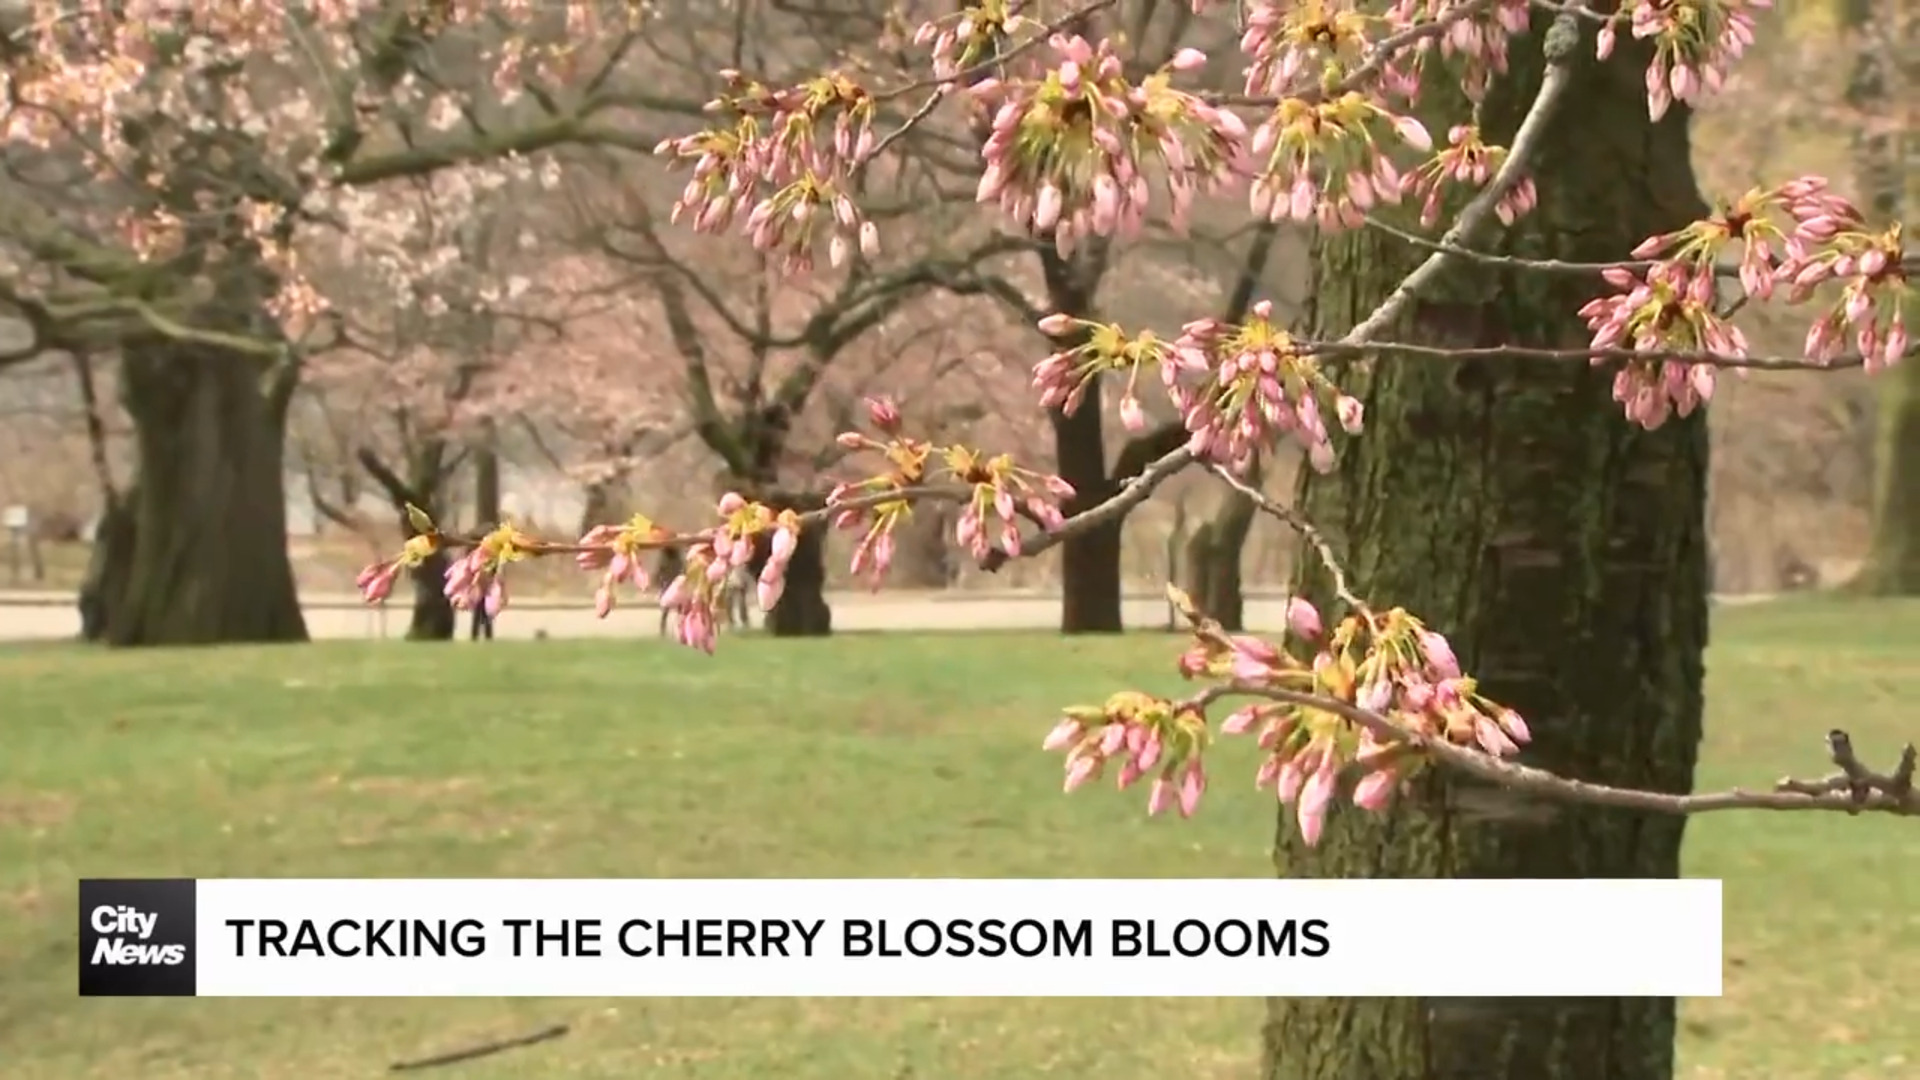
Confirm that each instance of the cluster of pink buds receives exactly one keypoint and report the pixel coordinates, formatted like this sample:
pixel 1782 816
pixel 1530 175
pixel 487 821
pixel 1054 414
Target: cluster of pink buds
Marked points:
pixel 803 141
pixel 1800 236
pixel 1063 378
pixel 1472 163
pixel 1145 735
pixel 1324 162
pixel 1695 41
pixel 618 552
pixel 1238 387
pixel 1068 154
pixel 1830 244
pixel 1288 44
pixel 1475 39
pixel 1670 309
pixel 1391 666
pixel 971 35
pixel 1000 493
pixel 475 580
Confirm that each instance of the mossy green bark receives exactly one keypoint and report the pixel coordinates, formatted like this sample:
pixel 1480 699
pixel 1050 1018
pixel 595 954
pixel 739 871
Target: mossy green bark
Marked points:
pixel 1562 549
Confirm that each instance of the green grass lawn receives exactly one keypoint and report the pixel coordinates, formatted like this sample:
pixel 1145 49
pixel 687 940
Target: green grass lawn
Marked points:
pixel 908 755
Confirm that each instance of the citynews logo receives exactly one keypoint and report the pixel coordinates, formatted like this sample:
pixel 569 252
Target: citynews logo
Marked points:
pixel 136 938
pixel 108 919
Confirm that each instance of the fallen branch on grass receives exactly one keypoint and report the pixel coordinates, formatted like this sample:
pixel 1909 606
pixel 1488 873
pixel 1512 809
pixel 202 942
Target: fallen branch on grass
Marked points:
pixel 455 1057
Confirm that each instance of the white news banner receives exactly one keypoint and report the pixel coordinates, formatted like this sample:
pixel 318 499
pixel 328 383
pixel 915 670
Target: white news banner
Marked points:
pixel 954 938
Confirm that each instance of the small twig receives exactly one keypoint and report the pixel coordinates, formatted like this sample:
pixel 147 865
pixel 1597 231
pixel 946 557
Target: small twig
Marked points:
pixel 1862 786
pixel 488 1049
pixel 1307 530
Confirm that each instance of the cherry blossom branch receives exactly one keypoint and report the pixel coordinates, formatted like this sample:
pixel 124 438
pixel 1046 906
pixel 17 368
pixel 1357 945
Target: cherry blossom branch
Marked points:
pixel 1378 54
pixel 1855 789
pixel 1298 522
pixel 1843 362
pixel 1552 266
pixel 1880 794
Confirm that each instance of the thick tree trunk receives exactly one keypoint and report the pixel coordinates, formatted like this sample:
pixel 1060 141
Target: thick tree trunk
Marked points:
pixel 802 610
pixel 209 562
pixel 1563 550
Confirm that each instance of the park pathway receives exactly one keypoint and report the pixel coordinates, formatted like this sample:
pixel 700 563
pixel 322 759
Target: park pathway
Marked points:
pixel 52 616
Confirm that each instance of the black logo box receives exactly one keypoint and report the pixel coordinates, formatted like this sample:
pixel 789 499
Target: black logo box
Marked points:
pixel 104 902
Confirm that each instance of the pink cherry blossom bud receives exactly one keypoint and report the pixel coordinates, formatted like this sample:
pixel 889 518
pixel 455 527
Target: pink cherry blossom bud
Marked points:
pixel 1239 720
pixel 1056 324
pixel 1515 726
pixel 850 440
pixel 1188 60
pixel 1150 751
pixel 768 589
pixel 1303 619
pixel 732 503
pixel 1315 797
pixel 1375 789
pixel 602 602
pixel 1439 655
pixel 1132 416
pixel 674 596
pixel 1375 696
pixel 884 414
pixel 1080 770
pixel 1130 774
pixel 1352 414
pixel 1491 738
pixel 781 549
pixel 376 581
pixel 1286 784
pixel 1064 734
pixel 1160 796
pixel 1269 772
pixel 1193 784
pixel 869 239
pixel 1412 133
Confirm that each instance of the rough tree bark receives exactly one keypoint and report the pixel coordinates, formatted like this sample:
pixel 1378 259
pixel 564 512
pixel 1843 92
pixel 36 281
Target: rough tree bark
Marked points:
pixel 209 556
pixel 1564 552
